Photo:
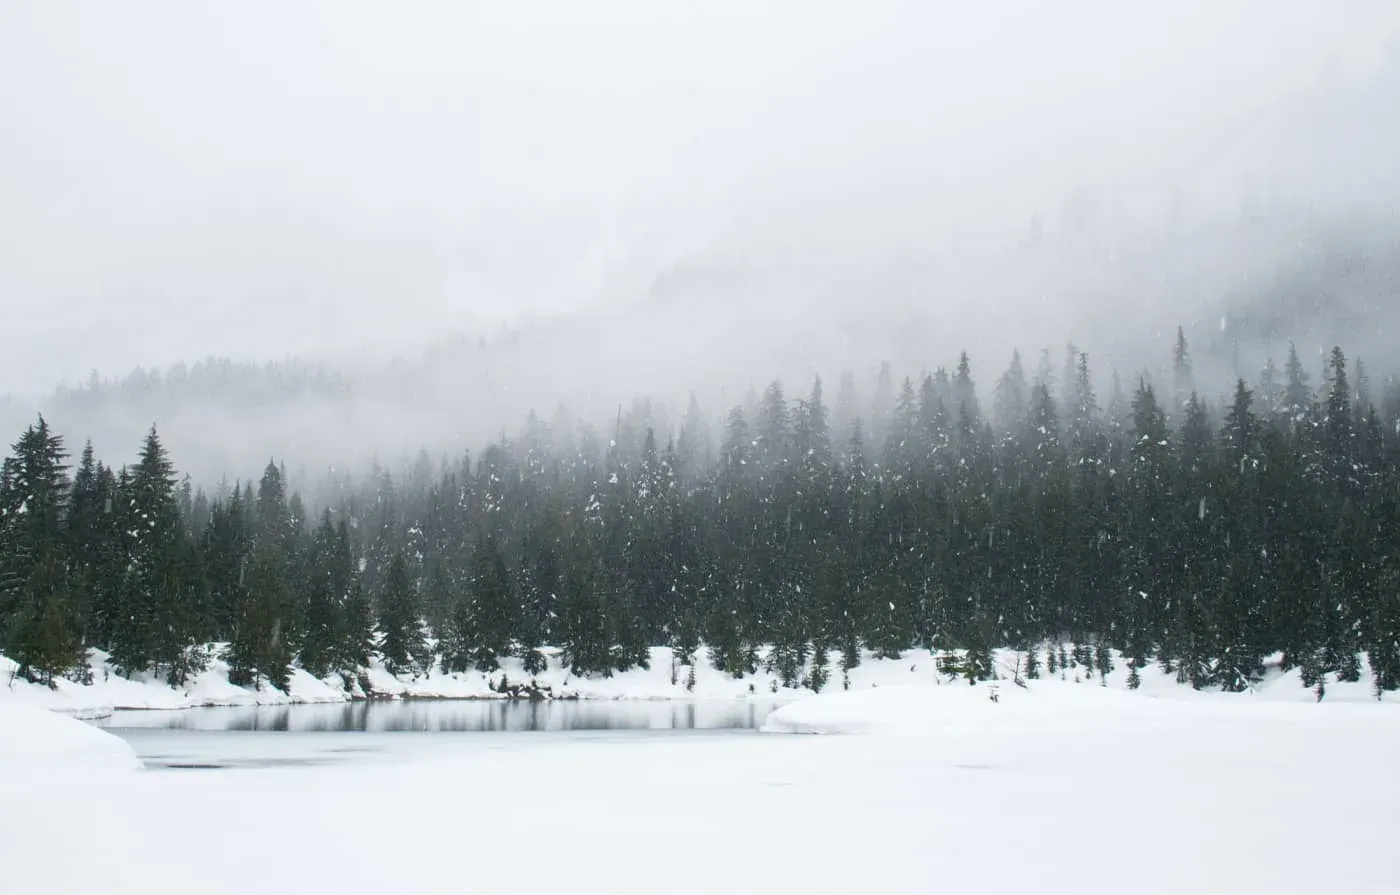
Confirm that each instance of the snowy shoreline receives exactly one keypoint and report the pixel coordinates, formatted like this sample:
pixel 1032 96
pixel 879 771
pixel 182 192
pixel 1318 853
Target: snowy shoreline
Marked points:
pixel 661 682
pixel 110 692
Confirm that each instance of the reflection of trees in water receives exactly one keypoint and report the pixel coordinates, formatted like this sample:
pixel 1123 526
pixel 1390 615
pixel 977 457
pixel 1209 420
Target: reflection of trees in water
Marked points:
pixel 466 715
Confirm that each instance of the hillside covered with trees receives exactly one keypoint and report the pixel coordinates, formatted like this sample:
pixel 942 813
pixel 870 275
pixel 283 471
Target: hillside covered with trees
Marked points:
pixel 929 513
pixel 1241 282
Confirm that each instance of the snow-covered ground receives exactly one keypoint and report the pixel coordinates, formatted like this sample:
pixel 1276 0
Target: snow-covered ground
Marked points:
pixel 1055 788
pixel 36 742
pixel 661 681
pixel 1047 707
pixel 110 690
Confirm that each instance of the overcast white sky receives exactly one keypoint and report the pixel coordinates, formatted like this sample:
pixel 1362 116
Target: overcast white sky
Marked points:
pixel 263 178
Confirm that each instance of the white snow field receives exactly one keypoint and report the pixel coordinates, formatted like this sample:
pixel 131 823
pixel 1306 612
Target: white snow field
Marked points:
pixel 36 742
pixel 1060 787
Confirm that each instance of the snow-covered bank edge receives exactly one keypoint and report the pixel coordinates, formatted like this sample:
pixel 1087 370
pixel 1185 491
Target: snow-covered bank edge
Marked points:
pixel 1046 706
pixel 110 691
pixel 665 680
pixel 32 739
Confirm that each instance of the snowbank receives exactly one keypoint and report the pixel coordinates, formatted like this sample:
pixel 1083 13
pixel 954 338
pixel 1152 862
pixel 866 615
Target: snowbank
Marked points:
pixel 955 707
pixel 1062 705
pixel 110 690
pixel 951 707
pixel 665 679
pixel 35 739
pixel 662 681
pixel 895 710
pixel 652 683
pixel 212 688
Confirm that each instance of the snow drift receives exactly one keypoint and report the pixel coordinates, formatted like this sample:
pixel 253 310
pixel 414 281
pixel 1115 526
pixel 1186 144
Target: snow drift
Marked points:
pixel 33 740
pixel 955 707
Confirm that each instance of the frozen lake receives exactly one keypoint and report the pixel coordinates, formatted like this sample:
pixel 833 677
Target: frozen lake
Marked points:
pixel 1059 789
pixel 269 736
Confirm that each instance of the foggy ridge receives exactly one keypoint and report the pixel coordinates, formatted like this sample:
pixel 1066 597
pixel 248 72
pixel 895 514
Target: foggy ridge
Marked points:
pixel 483 239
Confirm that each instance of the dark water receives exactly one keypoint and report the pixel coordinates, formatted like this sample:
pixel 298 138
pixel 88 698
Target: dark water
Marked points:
pixel 273 736
pixel 460 715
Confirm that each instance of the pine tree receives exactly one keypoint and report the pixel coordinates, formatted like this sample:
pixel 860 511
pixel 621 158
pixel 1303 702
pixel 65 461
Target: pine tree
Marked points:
pixel 261 647
pixel 1297 397
pixel 736 454
pixel 493 609
pixel 228 545
pixel 1338 425
pixel 89 541
pixel 850 659
pixel 1361 397
pixel 1149 425
pixel 881 410
pixel 773 430
pixel 902 447
pixel 1032 665
pixel 1271 392
pixel 43 632
pixel 1183 376
pixel 933 435
pixel 1044 372
pixel 1103 659
pixel 693 449
pixel 1241 431
pixel 812 438
pixel 265 636
pixel 358 633
pixel 816 678
pixel 155 626
pixel 1118 413
pixel 402 644
pixel 1009 402
pixel 1082 429
pixel 1195 435
pixel 326 583
pixel 1043 430
pixel 965 391
pixel 843 417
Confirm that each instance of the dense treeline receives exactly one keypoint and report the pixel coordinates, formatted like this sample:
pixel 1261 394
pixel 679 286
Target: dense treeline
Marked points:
pixel 1204 538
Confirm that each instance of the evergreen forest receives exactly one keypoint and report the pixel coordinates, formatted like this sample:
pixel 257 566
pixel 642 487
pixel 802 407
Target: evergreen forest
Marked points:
pixel 1201 533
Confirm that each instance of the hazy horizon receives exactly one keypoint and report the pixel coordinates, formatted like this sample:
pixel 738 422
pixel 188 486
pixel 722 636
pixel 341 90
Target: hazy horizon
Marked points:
pixel 661 196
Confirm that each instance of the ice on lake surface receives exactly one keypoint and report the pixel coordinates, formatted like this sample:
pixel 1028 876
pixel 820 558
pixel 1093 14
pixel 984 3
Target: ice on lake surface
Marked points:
pixel 1091 791
pixel 270 736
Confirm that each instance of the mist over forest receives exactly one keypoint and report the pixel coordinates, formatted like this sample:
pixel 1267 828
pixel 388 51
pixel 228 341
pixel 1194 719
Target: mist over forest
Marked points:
pixel 704 329
pixel 335 312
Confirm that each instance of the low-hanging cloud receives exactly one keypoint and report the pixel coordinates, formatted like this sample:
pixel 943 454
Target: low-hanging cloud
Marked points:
pixel 678 196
